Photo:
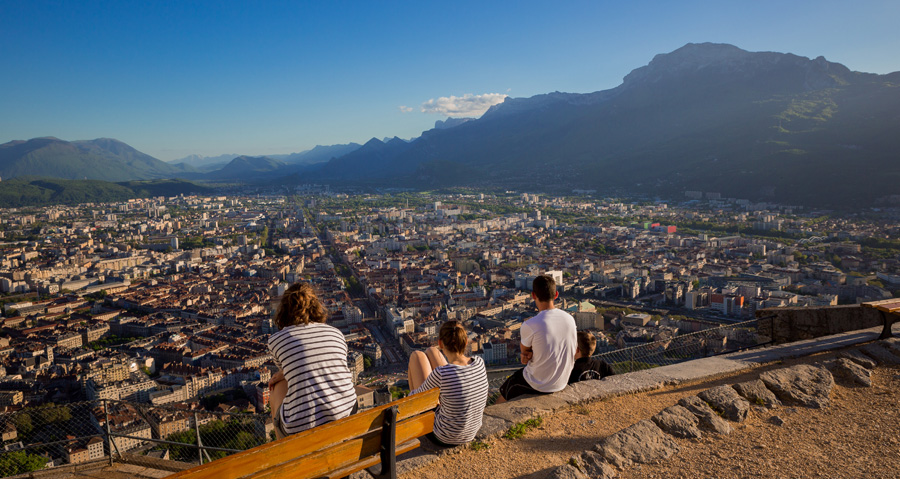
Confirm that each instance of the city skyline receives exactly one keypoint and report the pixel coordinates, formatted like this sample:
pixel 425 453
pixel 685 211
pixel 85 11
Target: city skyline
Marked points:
pixel 217 78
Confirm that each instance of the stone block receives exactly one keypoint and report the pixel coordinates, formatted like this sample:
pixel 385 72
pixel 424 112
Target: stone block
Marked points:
pixel 802 384
pixel 678 421
pixel 709 419
pixel 756 393
pixel 727 401
pixel 642 443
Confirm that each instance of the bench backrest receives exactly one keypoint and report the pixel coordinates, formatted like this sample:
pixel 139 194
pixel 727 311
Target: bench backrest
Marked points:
pixel 335 449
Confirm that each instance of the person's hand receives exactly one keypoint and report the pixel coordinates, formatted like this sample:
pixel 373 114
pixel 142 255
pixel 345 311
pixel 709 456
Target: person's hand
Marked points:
pixel 526 356
pixel 275 379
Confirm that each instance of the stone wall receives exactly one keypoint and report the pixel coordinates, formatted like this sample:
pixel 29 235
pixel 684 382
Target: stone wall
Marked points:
pixel 796 324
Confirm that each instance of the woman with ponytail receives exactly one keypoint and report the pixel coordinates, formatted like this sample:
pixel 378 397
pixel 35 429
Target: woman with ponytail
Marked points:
pixel 313 385
pixel 462 380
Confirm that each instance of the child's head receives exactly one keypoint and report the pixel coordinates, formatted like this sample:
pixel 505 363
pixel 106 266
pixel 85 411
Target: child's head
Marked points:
pixel 586 344
pixel 453 337
pixel 299 305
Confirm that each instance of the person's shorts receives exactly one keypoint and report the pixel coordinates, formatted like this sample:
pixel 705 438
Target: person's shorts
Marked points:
pixel 516 386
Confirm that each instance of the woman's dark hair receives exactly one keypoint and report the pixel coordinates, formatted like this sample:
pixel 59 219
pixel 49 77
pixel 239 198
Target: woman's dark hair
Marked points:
pixel 299 305
pixel 453 337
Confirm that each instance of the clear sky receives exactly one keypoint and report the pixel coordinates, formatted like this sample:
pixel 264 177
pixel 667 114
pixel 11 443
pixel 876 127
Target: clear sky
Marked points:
pixel 173 78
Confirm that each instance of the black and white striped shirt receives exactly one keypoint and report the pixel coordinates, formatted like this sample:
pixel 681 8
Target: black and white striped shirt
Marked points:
pixel 464 391
pixel 313 358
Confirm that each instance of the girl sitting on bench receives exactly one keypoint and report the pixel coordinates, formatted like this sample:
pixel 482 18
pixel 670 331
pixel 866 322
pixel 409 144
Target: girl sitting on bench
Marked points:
pixel 463 383
pixel 313 385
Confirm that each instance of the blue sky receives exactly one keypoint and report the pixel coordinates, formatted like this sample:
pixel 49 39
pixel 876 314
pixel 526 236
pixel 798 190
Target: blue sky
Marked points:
pixel 265 77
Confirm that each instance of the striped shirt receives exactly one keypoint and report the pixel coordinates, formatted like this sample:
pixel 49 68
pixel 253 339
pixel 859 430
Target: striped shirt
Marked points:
pixel 313 358
pixel 464 391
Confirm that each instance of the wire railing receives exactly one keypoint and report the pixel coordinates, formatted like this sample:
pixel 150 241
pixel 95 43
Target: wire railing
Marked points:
pixel 708 342
pixel 108 431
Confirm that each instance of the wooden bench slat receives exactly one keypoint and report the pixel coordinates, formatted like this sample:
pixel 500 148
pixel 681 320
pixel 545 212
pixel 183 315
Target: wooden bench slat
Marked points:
pixel 371 461
pixel 346 455
pixel 303 443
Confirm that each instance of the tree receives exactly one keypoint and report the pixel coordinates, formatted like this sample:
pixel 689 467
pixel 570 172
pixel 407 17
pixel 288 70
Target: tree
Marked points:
pixel 20 462
pixel 367 362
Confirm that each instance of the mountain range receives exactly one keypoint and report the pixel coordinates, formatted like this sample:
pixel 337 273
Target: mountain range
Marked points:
pixel 707 117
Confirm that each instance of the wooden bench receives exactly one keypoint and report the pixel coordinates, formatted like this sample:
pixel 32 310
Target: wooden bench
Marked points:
pixel 890 312
pixel 336 449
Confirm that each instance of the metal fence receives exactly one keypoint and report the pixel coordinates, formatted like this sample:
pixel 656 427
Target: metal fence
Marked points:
pixel 686 347
pixel 108 431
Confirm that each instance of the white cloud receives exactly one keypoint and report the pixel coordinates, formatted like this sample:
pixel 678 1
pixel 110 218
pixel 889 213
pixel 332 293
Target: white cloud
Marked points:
pixel 405 109
pixel 460 106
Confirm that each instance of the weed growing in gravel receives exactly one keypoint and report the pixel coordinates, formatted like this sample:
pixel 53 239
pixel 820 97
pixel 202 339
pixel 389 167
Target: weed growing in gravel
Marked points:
pixel 581 409
pixel 479 446
pixel 519 429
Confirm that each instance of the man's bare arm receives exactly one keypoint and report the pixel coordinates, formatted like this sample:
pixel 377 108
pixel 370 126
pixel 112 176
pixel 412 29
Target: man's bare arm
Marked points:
pixel 527 353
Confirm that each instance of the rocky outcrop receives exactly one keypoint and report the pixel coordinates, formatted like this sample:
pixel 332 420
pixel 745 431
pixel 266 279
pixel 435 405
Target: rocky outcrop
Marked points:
pixel 678 421
pixel 709 420
pixel 642 442
pixel 859 358
pixel 756 393
pixel 593 465
pixel 803 384
pixel 727 401
pixel 850 373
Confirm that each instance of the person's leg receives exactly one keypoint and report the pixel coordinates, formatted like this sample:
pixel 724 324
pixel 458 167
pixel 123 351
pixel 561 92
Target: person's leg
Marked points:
pixel 435 357
pixel 419 369
pixel 276 398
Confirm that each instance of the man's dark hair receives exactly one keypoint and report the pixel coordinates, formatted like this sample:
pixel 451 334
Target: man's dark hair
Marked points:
pixel 544 288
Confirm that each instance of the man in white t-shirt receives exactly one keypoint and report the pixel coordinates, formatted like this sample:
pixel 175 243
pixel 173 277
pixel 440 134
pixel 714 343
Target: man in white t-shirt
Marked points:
pixel 548 346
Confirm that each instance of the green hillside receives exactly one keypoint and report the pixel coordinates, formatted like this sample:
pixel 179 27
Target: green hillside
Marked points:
pixel 30 191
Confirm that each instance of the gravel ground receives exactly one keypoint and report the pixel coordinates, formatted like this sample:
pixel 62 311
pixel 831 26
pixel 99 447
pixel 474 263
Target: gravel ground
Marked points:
pixel 857 436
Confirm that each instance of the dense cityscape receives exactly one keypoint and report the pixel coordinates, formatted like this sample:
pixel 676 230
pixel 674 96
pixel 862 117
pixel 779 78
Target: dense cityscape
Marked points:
pixel 168 301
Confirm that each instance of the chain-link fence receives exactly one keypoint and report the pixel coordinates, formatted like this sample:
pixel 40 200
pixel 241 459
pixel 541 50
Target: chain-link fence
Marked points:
pixel 650 354
pixel 700 344
pixel 107 431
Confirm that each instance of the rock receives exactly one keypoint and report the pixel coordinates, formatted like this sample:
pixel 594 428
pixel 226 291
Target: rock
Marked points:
pixel 678 421
pixel 709 420
pixel 567 471
pixel 880 354
pixel 776 420
pixel 642 442
pixel 594 466
pixel 807 385
pixel 756 393
pixel 727 401
pixel 858 358
pixel 891 344
pixel 850 373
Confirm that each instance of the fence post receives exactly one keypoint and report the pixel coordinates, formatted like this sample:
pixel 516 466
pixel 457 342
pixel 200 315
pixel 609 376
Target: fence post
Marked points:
pixel 108 437
pixel 199 446
pixel 631 365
